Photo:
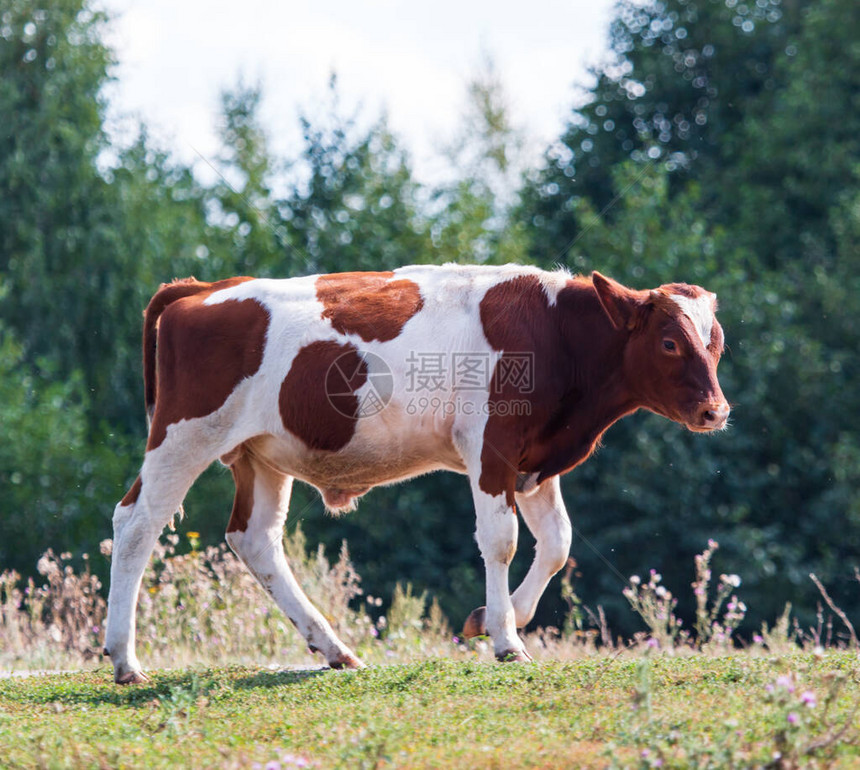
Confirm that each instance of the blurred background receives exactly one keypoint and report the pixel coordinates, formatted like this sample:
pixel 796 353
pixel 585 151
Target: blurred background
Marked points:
pixel 708 141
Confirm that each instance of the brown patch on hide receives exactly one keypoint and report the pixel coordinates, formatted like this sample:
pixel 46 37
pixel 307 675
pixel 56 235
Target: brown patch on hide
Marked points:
pixel 204 352
pixel 243 500
pixel 317 401
pixel 371 305
pixel 133 493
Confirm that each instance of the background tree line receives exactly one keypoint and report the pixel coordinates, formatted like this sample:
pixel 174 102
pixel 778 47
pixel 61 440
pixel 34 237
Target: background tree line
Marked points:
pixel 718 145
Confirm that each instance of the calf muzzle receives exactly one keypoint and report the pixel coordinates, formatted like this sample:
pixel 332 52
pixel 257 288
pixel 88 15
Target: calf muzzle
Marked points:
pixel 711 415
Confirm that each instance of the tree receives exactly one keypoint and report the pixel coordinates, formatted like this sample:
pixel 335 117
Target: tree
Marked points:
pixel 53 67
pixel 471 212
pixel 682 78
pixel 54 478
pixel 755 202
pixel 254 235
pixel 356 208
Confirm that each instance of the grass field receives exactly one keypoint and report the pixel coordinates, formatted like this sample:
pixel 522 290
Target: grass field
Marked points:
pixel 632 710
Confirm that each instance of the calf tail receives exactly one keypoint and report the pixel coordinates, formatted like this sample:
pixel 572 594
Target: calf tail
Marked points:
pixel 166 294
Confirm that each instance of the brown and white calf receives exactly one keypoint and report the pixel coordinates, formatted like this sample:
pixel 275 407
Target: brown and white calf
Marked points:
pixel 509 375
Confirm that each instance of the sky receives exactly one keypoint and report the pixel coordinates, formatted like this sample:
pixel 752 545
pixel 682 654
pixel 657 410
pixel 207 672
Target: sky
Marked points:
pixel 412 61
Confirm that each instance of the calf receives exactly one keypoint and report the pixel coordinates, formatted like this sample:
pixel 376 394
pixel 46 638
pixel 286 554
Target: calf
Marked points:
pixel 509 375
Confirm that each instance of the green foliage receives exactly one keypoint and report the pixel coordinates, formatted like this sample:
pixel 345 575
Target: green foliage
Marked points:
pixel 719 145
pixel 251 233
pixel 57 480
pixel 683 78
pixel 713 151
pixel 52 248
pixel 470 220
pixel 357 208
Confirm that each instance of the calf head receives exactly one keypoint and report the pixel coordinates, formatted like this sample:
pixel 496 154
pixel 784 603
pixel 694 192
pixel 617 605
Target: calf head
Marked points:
pixel 672 349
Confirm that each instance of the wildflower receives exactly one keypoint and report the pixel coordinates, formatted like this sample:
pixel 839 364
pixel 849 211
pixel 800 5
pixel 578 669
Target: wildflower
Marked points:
pixel 193 535
pixel 732 580
pixel 792 718
pixel 758 638
pixel 455 639
pixel 713 544
pixel 661 591
pixel 295 759
pixel 808 699
pixel 652 642
pixel 785 681
pixel 635 580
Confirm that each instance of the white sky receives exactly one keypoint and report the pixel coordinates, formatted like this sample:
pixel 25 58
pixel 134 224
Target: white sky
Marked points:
pixel 412 60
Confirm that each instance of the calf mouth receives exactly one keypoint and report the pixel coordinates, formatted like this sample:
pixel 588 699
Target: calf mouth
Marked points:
pixel 704 428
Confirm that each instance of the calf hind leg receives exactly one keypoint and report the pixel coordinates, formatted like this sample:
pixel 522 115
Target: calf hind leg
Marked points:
pixel 138 520
pixel 255 534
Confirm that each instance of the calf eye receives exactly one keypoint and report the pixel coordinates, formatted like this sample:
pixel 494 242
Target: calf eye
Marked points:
pixel 669 345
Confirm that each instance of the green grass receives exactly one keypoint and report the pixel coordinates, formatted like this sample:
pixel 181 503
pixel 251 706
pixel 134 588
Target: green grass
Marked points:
pixel 630 711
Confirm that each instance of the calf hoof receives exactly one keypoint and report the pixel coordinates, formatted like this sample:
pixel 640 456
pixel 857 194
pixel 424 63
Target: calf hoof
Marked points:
pixel 131 677
pixel 476 623
pixel 346 660
pixel 514 656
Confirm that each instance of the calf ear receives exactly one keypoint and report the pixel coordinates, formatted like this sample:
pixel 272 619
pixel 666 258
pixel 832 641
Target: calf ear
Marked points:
pixel 620 303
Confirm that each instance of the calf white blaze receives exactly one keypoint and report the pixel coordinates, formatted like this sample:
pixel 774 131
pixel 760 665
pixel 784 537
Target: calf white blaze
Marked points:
pixel 700 310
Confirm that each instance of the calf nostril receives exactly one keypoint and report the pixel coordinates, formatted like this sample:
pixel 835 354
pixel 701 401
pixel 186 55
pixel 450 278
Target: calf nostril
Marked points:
pixel 709 416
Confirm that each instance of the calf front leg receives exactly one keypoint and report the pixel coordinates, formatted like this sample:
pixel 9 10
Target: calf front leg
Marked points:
pixel 497 539
pixel 545 515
